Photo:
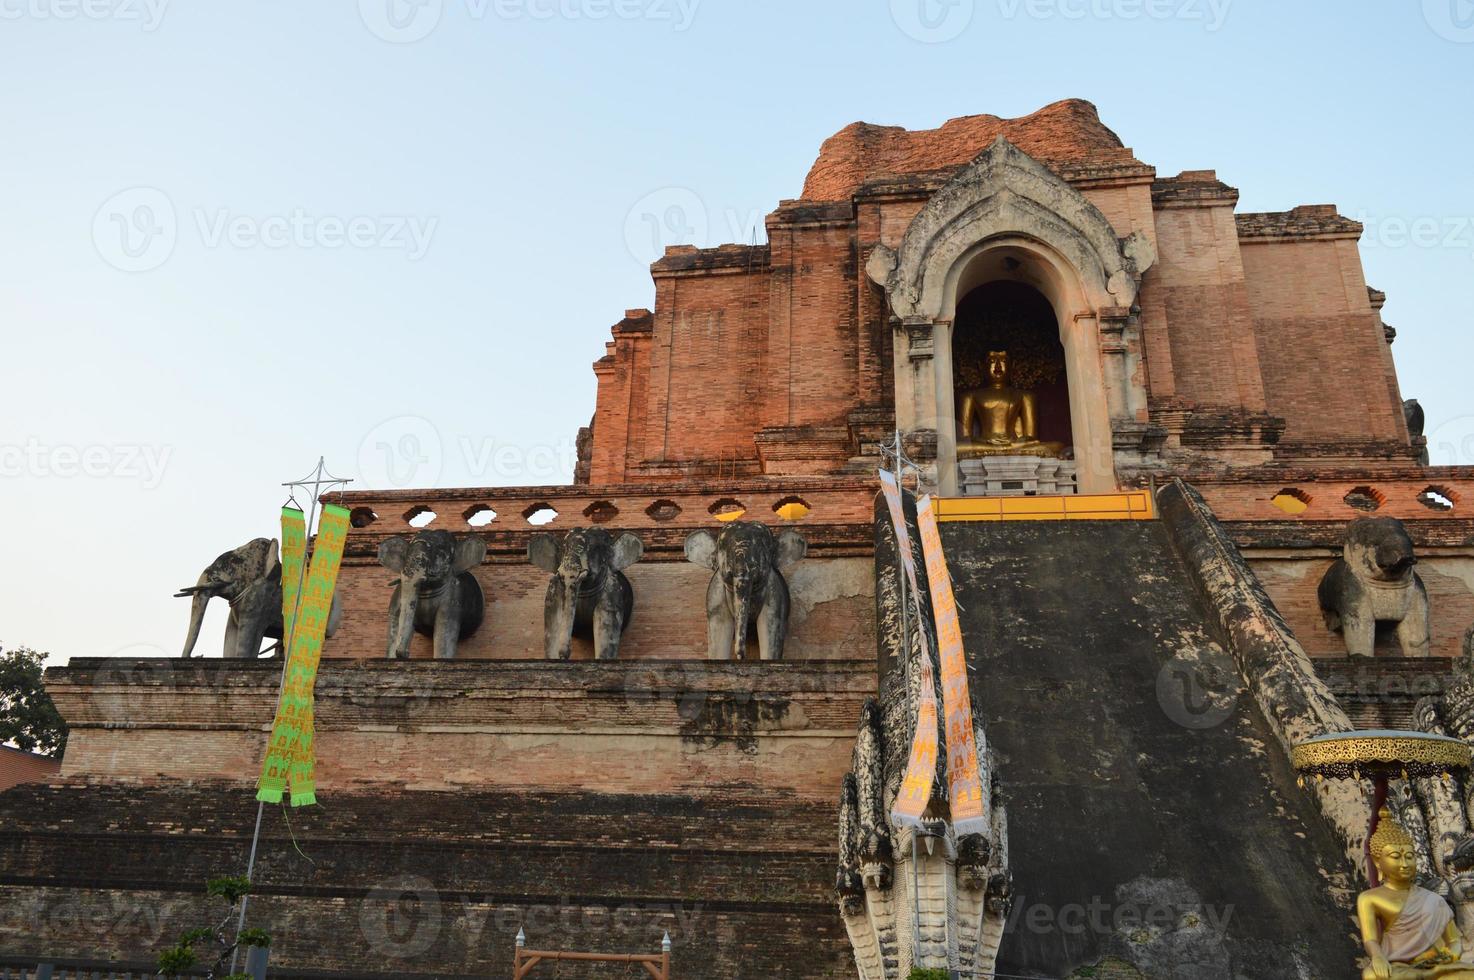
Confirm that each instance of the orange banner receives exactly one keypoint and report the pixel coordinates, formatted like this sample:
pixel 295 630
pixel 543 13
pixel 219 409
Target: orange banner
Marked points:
pixel 969 800
pixel 921 770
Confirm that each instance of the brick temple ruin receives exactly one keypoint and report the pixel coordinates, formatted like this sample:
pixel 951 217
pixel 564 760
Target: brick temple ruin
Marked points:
pixel 1200 404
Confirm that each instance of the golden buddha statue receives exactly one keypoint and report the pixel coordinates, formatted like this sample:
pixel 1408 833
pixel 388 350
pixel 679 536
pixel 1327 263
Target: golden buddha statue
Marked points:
pixel 1006 417
pixel 1409 932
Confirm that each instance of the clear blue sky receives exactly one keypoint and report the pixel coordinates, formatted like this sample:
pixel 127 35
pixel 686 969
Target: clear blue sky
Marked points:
pixel 500 169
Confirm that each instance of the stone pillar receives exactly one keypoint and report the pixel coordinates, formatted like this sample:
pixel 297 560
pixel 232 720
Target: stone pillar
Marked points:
pixel 916 385
pixel 946 409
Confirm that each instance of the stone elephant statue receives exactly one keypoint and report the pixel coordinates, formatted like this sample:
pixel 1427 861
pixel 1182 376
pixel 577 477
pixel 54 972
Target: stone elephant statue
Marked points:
pixel 589 593
pixel 249 578
pixel 436 595
pixel 747 589
pixel 1374 582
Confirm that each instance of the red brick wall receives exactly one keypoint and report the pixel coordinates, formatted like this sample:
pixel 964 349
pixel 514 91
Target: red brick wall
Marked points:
pixel 1327 367
pixel 1197 288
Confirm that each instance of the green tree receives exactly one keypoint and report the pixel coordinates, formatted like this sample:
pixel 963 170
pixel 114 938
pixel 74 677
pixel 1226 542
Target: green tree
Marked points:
pixel 195 948
pixel 28 719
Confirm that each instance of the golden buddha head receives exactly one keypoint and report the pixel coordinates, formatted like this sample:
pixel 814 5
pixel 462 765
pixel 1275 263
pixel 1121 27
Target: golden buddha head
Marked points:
pixel 1393 851
pixel 998 367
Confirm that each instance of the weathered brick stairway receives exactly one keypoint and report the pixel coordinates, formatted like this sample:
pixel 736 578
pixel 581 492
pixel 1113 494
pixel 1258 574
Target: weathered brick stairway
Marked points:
pixel 1127 790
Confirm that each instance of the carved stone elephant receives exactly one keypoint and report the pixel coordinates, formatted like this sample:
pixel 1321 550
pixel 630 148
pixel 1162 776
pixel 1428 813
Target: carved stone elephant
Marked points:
pixel 589 593
pixel 249 578
pixel 1373 582
pixel 747 589
pixel 436 594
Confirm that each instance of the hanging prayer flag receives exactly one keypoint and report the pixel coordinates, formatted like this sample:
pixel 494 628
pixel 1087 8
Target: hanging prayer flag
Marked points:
pixel 970 804
pixel 921 769
pixel 290 758
pixel 293 553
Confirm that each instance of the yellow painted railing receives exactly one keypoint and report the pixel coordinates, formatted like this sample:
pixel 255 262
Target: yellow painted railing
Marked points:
pixel 1132 505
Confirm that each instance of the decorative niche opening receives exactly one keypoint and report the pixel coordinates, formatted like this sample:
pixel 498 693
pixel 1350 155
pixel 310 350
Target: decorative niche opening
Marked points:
pixel 420 516
pixel 727 509
pixel 362 516
pixel 1365 499
pixel 601 512
pixel 539 514
pixel 479 516
pixel 792 508
pixel 1438 498
pixel 1292 501
pixel 663 510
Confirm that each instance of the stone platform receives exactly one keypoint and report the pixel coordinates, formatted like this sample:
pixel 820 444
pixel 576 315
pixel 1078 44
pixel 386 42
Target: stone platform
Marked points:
pixel 993 476
pixel 597 805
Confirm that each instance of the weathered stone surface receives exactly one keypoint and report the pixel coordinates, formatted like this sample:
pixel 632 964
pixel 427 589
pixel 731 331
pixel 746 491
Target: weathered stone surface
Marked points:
pixel 603 726
pixel 1125 789
pixel 429 884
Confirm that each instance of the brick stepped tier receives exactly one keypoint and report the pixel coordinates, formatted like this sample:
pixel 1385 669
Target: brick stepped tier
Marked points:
pixel 385 882
pixel 1126 793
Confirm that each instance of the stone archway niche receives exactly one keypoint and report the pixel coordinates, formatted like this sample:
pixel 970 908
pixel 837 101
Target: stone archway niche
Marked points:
pixel 1007 217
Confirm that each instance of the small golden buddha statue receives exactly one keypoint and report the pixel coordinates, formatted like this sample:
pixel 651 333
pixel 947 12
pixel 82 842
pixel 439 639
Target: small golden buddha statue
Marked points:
pixel 1409 932
pixel 1006 417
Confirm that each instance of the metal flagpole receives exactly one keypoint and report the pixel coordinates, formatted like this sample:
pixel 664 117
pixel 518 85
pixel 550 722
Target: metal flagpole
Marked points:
pixel 317 480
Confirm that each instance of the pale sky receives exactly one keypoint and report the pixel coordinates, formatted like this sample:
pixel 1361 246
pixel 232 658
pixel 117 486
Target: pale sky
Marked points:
pixel 234 237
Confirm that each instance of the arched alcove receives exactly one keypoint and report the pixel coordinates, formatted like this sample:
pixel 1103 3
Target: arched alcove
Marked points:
pixel 1007 218
pixel 1017 319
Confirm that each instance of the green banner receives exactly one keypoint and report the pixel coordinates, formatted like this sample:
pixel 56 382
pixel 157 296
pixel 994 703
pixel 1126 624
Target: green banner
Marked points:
pixel 293 553
pixel 290 757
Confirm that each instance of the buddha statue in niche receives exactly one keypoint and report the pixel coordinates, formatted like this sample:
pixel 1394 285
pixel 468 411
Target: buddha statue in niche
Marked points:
pixel 1006 418
pixel 1408 932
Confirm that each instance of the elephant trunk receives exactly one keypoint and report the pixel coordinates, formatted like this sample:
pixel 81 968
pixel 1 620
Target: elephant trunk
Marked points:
pixel 564 611
pixel 407 601
pixel 201 599
pixel 741 602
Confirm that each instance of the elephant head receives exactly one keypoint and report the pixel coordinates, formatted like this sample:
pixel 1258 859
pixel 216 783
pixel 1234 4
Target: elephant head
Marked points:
pixel 1379 548
pixel 430 566
pixel 747 558
pixel 234 576
pixel 588 588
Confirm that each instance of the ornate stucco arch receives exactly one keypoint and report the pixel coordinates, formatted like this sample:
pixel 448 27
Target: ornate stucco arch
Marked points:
pixel 1004 216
